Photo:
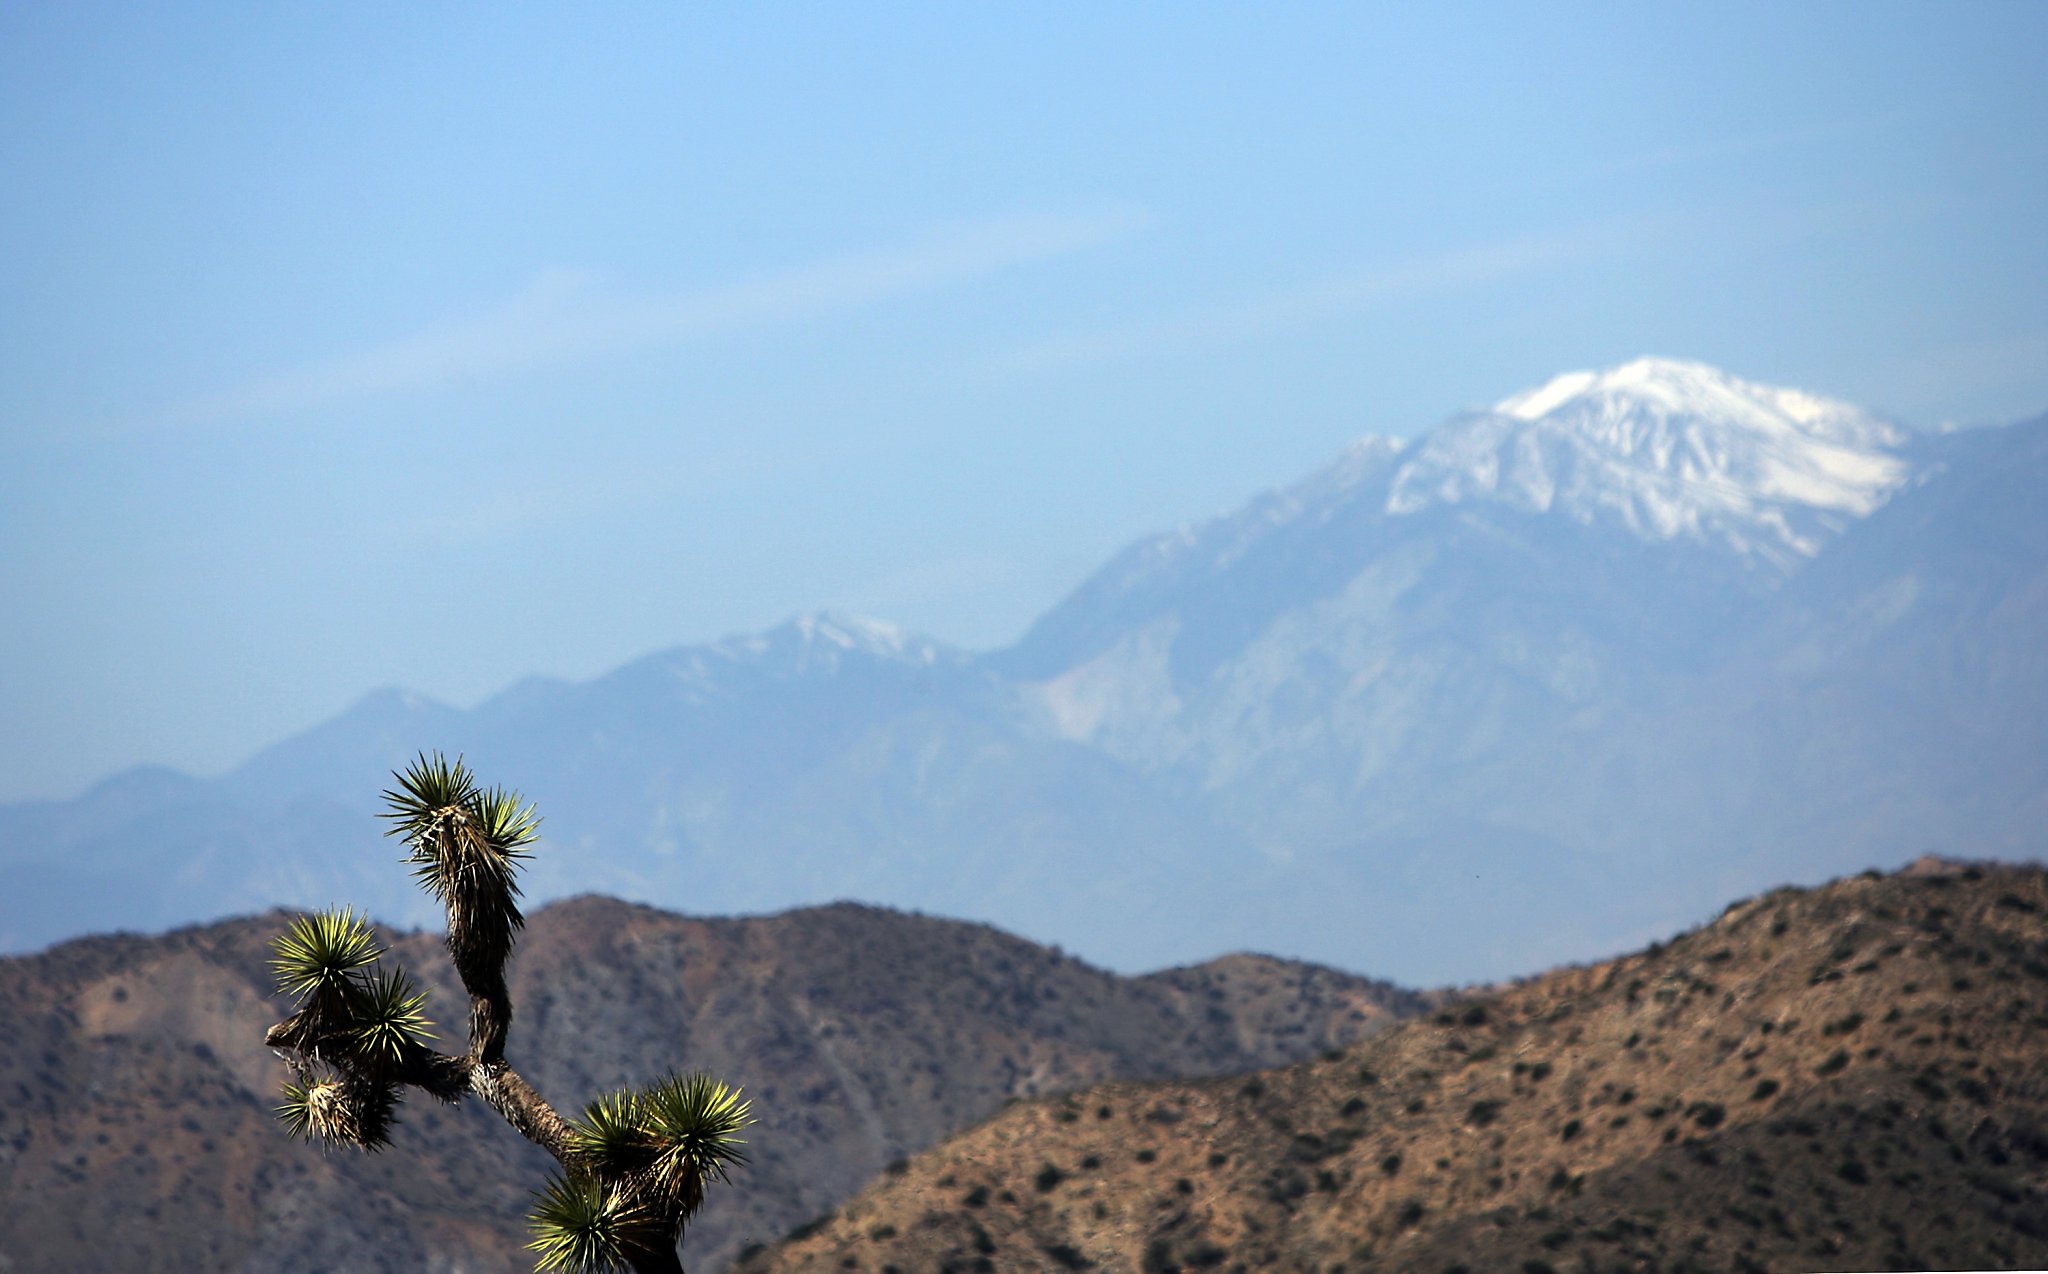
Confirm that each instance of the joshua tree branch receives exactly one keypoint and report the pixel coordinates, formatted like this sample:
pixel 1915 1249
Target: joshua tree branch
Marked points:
pixel 452 1078
pixel 490 1018
pixel 510 1095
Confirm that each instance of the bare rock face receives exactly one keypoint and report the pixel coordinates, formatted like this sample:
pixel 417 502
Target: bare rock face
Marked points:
pixel 1853 1077
pixel 136 1130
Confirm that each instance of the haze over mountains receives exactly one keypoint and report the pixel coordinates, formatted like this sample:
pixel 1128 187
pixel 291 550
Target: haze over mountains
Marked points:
pixel 1542 683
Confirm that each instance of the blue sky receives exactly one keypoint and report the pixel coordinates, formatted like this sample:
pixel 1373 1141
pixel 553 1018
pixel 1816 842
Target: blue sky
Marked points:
pixel 351 346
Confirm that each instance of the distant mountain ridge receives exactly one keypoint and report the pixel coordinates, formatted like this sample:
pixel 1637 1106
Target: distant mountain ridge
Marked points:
pixel 1532 686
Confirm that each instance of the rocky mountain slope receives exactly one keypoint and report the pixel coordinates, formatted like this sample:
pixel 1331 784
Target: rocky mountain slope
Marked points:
pixel 135 1097
pixel 1846 1078
pixel 1536 685
pixel 1660 451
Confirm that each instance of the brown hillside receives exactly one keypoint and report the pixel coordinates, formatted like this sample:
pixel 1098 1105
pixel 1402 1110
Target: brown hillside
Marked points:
pixel 135 1095
pixel 1847 1078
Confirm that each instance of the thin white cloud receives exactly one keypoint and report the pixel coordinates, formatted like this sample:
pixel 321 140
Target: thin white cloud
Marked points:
pixel 565 316
pixel 1319 300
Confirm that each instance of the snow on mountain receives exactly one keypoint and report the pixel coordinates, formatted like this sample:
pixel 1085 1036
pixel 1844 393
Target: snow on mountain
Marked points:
pixel 1408 612
pixel 822 643
pixel 823 638
pixel 1669 450
pixel 1753 478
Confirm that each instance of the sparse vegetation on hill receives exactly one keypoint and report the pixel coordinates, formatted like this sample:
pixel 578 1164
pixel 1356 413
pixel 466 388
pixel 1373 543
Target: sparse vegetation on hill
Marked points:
pixel 1851 1077
pixel 136 1131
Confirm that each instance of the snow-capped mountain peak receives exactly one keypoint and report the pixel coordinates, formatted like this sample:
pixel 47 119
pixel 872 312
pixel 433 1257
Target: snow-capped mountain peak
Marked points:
pixel 1679 387
pixel 825 637
pixel 821 643
pixel 1670 450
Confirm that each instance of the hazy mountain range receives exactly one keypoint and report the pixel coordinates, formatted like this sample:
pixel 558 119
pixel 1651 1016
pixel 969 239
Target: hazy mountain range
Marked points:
pixel 1543 682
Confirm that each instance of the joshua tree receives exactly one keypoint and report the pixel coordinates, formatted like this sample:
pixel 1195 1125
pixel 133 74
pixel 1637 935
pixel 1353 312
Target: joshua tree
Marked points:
pixel 633 1168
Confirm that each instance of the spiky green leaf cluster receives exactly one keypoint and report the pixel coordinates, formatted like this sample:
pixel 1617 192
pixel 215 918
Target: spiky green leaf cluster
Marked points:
pixel 583 1225
pixel 610 1136
pixel 644 1156
pixel 696 1120
pixel 682 1128
pixel 349 1009
pixel 389 1017
pixel 355 1028
pixel 317 955
pixel 464 844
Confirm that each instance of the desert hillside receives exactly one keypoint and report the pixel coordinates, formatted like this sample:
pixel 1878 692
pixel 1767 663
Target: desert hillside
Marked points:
pixel 1853 1077
pixel 135 1095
